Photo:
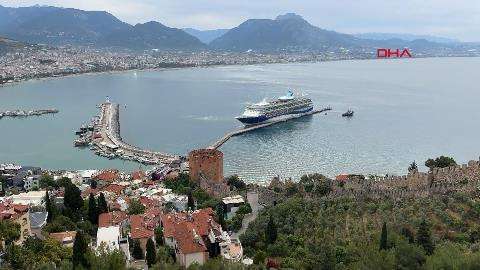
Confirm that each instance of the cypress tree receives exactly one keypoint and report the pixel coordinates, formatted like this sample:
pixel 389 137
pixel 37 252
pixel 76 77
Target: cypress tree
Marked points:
pixel 50 208
pixel 73 198
pixel 80 247
pixel 137 252
pixel 271 231
pixel 92 209
pixel 151 256
pixel 221 215
pixel 424 238
pixel 191 202
pixel 102 204
pixel 384 237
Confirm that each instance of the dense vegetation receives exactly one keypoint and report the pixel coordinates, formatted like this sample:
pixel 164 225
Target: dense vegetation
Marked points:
pixel 308 231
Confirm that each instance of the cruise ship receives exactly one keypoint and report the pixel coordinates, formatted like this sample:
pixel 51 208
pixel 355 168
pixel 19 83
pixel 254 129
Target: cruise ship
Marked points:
pixel 264 111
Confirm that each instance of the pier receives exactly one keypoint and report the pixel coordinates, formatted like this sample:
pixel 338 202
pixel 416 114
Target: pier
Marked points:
pixel 23 113
pixel 246 129
pixel 103 137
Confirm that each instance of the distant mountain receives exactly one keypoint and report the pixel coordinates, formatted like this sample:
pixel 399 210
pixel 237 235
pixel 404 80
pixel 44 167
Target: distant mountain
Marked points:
pixel 152 35
pixel 286 32
pixel 206 36
pixel 67 26
pixel 406 37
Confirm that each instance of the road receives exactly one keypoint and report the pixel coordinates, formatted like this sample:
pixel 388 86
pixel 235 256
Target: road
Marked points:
pixel 252 198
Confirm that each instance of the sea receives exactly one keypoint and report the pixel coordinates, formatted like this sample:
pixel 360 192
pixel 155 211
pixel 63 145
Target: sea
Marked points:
pixel 405 110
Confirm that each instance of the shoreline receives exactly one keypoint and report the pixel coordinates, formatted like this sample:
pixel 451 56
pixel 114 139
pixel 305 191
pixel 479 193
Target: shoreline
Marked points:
pixel 212 66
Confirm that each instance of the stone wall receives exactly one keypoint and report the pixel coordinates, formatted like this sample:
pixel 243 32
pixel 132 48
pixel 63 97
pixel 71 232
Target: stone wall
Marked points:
pixel 208 162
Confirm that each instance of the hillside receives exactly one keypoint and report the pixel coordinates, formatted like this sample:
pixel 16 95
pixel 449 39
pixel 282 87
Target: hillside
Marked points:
pixel 67 26
pixel 152 35
pixel 7 45
pixel 286 32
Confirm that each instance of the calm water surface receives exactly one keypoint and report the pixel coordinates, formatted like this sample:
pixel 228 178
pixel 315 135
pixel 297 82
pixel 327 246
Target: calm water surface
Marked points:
pixel 405 110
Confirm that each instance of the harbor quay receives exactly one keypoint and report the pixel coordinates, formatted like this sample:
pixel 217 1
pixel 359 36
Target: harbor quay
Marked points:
pixel 246 129
pixel 102 135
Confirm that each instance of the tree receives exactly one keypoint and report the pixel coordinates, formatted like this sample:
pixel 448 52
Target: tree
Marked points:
pixel 80 248
pixel 151 256
pixel 440 162
pixel 9 231
pixel 73 198
pixel 50 208
pixel 137 252
pixel 220 215
pixel 135 207
pixel 236 182
pixel 384 237
pixel 191 202
pixel 102 204
pixel 93 184
pixel 271 231
pixel 159 235
pixel 424 238
pixel 46 181
pixel 92 209
pixel 408 234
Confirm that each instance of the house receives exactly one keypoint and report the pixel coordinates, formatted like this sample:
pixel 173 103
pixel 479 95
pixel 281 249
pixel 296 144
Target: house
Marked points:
pixel 179 202
pixel 65 238
pixel 19 214
pixel 31 182
pixel 189 245
pixel 231 204
pixel 29 198
pixel 114 218
pixel 142 226
pixel 109 237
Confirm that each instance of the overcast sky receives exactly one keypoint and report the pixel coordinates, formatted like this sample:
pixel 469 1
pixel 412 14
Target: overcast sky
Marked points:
pixel 449 18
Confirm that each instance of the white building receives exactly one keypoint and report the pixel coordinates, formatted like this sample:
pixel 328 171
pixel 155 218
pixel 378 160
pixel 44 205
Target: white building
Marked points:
pixel 109 237
pixel 31 182
pixel 32 198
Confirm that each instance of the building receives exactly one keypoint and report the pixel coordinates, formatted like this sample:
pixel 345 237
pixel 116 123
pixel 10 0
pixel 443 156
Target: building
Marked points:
pixel 142 226
pixel 29 198
pixel 109 237
pixel 231 204
pixel 206 162
pixel 19 214
pixel 31 182
pixel 114 218
pixel 189 245
pixel 37 221
pixel 65 238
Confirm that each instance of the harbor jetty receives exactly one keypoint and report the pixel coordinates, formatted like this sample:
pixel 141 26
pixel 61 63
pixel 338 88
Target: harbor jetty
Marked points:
pixel 246 129
pixel 24 113
pixel 102 135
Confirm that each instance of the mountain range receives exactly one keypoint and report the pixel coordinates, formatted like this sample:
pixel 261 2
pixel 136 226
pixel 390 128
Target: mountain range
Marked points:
pixel 289 32
pixel 406 37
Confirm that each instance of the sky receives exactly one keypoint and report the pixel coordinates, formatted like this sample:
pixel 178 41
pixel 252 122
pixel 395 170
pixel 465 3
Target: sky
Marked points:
pixel 458 19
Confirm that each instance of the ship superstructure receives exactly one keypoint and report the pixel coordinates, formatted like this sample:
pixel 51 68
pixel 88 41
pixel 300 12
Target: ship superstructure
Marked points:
pixel 284 105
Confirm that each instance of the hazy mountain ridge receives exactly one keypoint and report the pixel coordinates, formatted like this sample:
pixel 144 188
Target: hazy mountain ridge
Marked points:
pixel 206 36
pixel 62 26
pixel 406 37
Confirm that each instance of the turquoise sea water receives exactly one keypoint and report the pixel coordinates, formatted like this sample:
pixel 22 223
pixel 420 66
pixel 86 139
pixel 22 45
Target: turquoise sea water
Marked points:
pixel 405 110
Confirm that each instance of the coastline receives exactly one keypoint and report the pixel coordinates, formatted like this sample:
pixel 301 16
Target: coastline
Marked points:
pixel 119 71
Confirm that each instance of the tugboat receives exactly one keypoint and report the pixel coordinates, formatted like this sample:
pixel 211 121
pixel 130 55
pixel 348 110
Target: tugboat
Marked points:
pixel 349 113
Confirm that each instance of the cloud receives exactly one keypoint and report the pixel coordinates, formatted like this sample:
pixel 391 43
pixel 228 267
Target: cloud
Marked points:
pixel 456 19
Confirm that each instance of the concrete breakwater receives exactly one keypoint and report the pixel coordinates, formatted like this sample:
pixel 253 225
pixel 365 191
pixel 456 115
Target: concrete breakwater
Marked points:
pixel 246 129
pixel 103 137
pixel 24 113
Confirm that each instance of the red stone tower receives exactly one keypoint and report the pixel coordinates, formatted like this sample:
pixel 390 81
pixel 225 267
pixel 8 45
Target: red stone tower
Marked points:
pixel 208 162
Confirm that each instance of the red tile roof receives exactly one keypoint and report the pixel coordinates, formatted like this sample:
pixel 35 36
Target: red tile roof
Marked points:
pixel 138 175
pixel 202 221
pixel 112 218
pixel 107 176
pixel 187 238
pixel 61 236
pixel 114 188
pixel 138 229
pixel 342 177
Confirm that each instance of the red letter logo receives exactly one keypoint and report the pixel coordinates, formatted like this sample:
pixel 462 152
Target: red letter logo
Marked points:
pixel 406 52
pixel 382 53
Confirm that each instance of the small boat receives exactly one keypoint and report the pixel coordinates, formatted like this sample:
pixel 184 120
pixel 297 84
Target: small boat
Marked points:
pixel 349 113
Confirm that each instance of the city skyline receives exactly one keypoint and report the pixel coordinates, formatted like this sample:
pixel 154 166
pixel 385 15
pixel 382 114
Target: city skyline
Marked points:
pixel 459 20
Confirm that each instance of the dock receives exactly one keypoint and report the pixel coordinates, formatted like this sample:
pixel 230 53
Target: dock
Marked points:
pixel 24 113
pixel 103 137
pixel 246 129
